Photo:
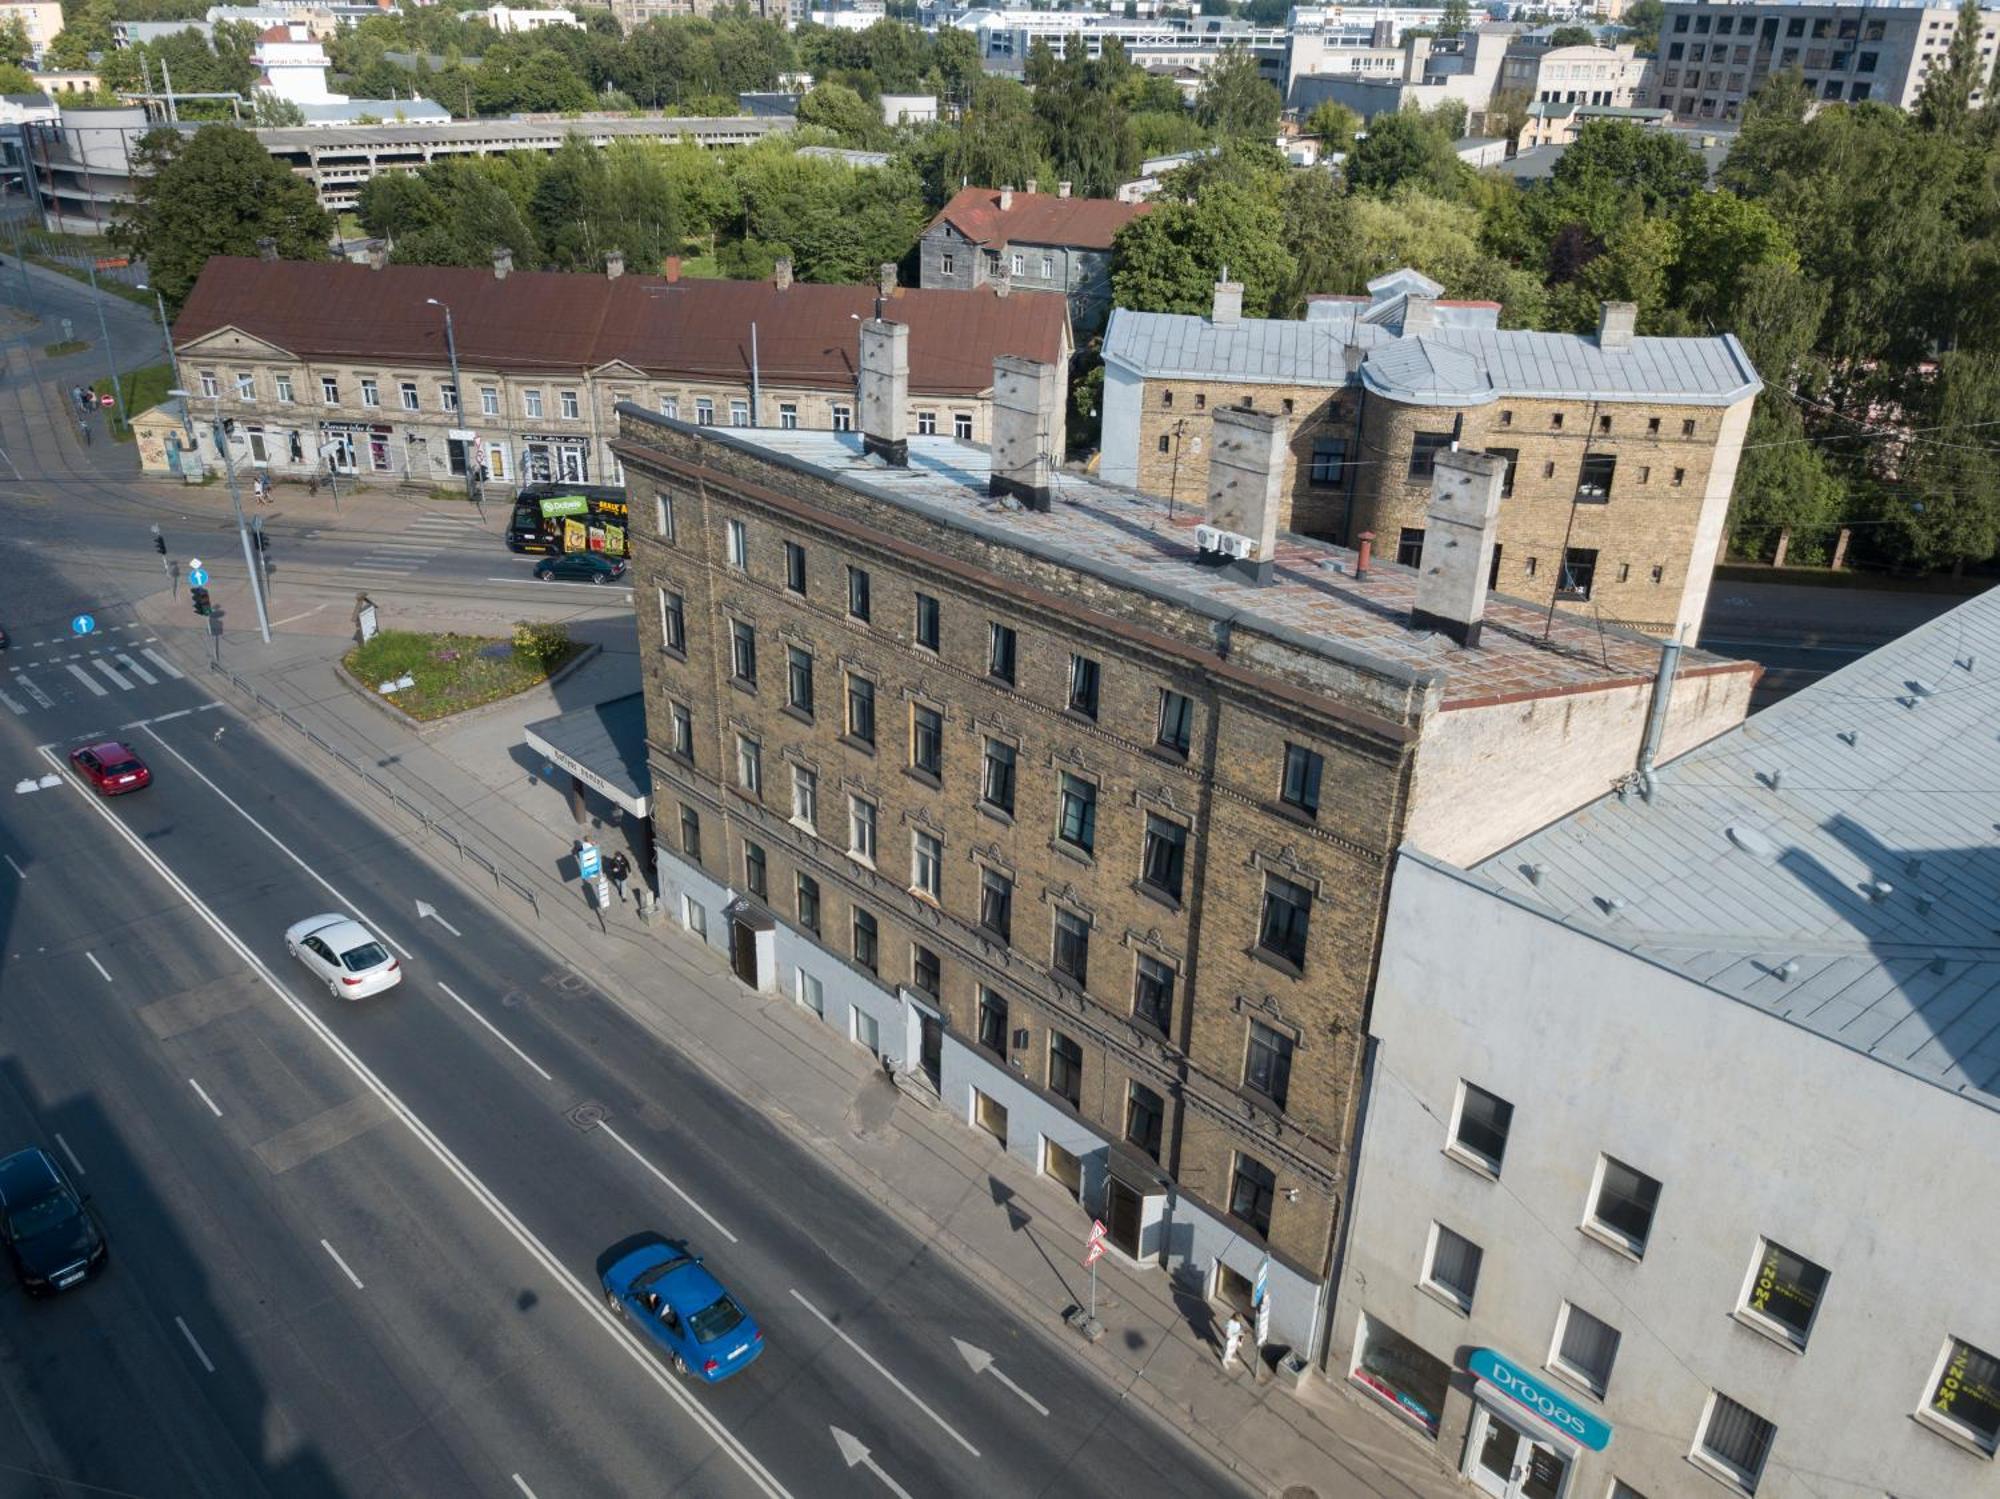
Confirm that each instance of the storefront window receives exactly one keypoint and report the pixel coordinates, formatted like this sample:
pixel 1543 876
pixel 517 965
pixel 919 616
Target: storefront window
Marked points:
pixel 1395 1370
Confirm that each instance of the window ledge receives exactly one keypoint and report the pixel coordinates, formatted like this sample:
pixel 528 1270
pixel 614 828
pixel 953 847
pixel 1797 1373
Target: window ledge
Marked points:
pixel 1963 1440
pixel 1005 819
pixel 744 685
pixel 792 710
pixel 1072 852
pixel 1271 960
pixel 809 829
pixel 1445 1299
pixel 1292 813
pixel 1610 1241
pixel 920 893
pixel 1769 1331
pixel 679 653
pixel 1079 715
pixel 1574 1380
pixel 1158 896
pixel 1471 1162
pixel 862 859
pixel 1728 1477
pixel 1167 753
pixel 923 777
pixel 860 746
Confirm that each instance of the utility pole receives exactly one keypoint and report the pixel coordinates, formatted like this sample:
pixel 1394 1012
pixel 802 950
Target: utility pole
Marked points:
pixel 458 401
pixel 117 389
pixel 173 359
pixel 250 559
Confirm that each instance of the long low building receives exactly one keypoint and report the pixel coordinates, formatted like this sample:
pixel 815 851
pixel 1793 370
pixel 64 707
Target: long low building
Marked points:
pixel 334 365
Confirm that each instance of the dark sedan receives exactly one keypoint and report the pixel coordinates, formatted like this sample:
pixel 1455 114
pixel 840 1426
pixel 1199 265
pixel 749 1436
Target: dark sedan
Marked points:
pixel 52 1236
pixel 581 567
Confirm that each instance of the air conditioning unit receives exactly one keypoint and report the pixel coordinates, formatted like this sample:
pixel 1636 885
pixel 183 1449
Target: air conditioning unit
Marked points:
pixel 1208 538
pixel 1238 546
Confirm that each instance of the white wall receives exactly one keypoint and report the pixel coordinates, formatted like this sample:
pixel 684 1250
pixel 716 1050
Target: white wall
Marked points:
pixel 1753 1126
pixel 1118 438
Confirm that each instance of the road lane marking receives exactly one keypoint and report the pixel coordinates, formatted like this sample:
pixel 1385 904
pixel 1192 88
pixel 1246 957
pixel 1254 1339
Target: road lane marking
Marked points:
pixel 981 1362
pixel 343 1265
pixel 198 1351
pixel 161 661
pixel 834 1328
pixel 41 698
pixel 522 1484
pixel 111 674
pixel 669 1182
pixel 11 703
pixel 86 678
pixel 589 1301
pixel 205 1098
pixel 497 1036
pixel 97 965
pixel 137 670
pixel 13 866
pixel 295 618
pixel 855 1454
pixel 75 1164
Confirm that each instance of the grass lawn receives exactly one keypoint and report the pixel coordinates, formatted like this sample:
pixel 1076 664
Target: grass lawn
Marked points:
pixel 453 672
pixel 64 346
pixel 144 389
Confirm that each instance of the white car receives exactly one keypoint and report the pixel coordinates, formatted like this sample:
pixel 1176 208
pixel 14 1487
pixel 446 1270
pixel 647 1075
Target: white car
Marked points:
pixel 344 955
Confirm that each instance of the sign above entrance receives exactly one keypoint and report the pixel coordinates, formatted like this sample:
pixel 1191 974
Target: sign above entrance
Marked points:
pixel 1552 1409
pixel 565 504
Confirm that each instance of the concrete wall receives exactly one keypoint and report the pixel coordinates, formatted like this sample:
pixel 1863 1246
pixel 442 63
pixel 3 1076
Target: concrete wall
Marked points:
pixel 1755 1128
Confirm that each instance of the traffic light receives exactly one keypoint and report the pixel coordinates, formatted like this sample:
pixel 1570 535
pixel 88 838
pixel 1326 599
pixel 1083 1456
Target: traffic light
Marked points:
pixel 199 598
pixel 263 541
pixel 160 545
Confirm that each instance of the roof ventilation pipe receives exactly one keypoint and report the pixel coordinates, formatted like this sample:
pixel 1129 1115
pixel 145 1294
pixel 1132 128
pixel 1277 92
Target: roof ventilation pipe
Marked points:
pixel 1656 715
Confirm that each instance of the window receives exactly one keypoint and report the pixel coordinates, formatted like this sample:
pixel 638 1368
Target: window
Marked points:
pixel 448 398
pixel 788 415
pixel 927 740
pixel 861 828
pixel 1176 725
pixel 691 833
pixel 1287 912
pixel 1734 1438
pixel 673 621
pixel 750 765
pixel 795 567
pixel 1144 1114
pixel 704 412
pixel 743 652
pixel 371 392
pixel 1267 1066
pixel 329 390
pixel 811 993
pixel 1165 856
pixel 285 395
pixel 663 516
pixel 246 386
pixel 756 871
pixel 1065 1068
pixel 1424 448
pixel 860 709
pixel 1410 546
pixel 1452 1267
pixel 1579 571
pixel 739 413
pixel 1166 443
pixel 1077 823
pixel 1153 995
pixel 1556 421
pixel 1300 787
pixel 489 400
pixel 799 679
pixel 1679 478
pixel 996 781
pixel 1000 652
pixel 961 425
pixel 1048 267
pixel 867 940
pixel 569 406
pixel 1604 424
pixel 945 263
pixel 1479 1127
pixel 1167 399
pixel 739 545
pixel 1083 678
pixel 1329 461
pixel 996 904
pixel 926 973
pixel 1585 1348
pixel 926 424
pixel 1593 482
pixel 532 401
pixel 1622 1205
pixel 805 798
pixel 1251 1188
pixel 1512 458
pixel 927 865
pixel 408 390
pixel 1784 1291
pixel 1965 1396
pixel 1072 947
pixel 927 622
pixel 843 418
pixel 857 592
pixel 992 1021
pixel 1019 263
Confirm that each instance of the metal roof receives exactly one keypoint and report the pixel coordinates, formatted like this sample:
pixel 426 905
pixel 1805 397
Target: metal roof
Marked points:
pixel 607 741
pixel 1834 861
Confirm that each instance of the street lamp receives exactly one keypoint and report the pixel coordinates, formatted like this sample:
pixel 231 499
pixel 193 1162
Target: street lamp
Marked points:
pixel 173 360
pixel 457 396
pixel 236 500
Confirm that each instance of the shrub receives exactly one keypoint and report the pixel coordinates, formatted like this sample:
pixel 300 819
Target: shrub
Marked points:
pixel 540 644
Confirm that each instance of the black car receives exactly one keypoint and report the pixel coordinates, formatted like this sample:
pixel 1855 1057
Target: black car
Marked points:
pixel 581 567
pixel 52 1236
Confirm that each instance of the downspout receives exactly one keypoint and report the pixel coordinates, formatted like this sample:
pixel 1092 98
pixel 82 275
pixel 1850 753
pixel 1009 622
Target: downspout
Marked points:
pixel 1656 716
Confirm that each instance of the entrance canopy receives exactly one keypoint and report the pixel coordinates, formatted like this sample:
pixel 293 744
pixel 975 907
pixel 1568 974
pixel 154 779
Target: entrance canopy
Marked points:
pixel 603 746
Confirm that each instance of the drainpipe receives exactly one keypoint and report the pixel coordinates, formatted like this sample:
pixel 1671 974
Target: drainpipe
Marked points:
pixel 1656 716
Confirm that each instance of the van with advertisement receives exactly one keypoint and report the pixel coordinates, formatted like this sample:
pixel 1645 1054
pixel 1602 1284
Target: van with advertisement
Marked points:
pixel 558 518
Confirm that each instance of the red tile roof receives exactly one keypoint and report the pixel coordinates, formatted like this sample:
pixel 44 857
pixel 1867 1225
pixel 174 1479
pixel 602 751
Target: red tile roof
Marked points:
pixel 1037 218
pixel 807 335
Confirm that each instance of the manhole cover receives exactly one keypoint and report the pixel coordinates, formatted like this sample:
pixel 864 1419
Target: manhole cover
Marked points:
pixel 587 1116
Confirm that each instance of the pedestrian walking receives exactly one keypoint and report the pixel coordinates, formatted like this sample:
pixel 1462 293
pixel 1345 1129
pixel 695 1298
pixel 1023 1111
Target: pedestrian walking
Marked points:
pixel 619 868
pixel 1232 1339
pixel 83 425
pixel 79 399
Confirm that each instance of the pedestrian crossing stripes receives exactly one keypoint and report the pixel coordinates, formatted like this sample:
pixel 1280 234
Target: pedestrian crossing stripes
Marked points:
pixel 415 543
pixel 123 671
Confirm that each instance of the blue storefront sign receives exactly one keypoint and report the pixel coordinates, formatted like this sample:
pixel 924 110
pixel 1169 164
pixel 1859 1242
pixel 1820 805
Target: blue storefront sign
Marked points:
pixel 1550 1408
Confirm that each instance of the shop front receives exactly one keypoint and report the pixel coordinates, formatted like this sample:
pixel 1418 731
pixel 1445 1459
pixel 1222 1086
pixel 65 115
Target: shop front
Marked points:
pixel 554 460
pixel 1525 1438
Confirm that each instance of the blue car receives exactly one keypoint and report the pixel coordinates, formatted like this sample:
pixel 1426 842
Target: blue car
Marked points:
pixel 664 1292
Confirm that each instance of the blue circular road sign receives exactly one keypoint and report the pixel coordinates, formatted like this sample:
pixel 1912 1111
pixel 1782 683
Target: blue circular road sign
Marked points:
pixel 198 578
pixel 83 624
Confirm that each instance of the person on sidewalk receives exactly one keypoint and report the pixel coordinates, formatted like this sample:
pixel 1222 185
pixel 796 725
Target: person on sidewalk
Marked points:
pixel 83 425
pixel 619 868
pixel 1232 1339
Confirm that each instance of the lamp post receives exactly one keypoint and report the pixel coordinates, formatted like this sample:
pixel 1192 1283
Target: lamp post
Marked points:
pixel 242 526
pixel 104 332
pixel 173 359
pixel 457 397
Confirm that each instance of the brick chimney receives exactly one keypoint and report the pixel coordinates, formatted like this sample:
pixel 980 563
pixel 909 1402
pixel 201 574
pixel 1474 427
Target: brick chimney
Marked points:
pixel 1616 322
pixel 1458 544
pixel 1028 429
pixel 781 272
pixel 885 391
pixel 1006 198
pixel 1246 474
pixel 1228 309
pixel 503 263
pixel 1420 316
pixel 614 264
pixel 885 279
pixel 267 247
pixel 1001 278
pixel 1062 189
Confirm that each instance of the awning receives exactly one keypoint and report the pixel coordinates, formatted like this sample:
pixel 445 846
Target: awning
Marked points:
pixel 603 746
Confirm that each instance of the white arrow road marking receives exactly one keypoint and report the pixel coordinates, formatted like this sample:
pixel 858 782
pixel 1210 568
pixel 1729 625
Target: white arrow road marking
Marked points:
pixel 981 1362
pixel 198 1353
pixel 870 1359
pixel 427 911
pixel 856 1456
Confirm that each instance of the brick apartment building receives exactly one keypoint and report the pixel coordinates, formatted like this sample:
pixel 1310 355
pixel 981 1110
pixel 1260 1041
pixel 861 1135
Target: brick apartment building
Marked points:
pixel 307 355
pixel 1621 451
pixel 1081 816
pixel 1036 241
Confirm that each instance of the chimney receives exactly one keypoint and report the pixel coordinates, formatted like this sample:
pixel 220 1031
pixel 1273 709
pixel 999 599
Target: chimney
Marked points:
pixel 1001 278
pixel 885 280
pixel 1420 316
pixel 1458 544
pixel 781 272
pixel 1032 185
pixel 503 262
pixel 1364 557
pixel 1062 189
pixel 673 268
pixel 1615 323
pixel 267 247
pixel 1246 474
pixel 614 264
pixel 378 256
pixel 1028 429
pixel 1006 198
pixel 885 391
pixel 1353 356
pixel 1228 310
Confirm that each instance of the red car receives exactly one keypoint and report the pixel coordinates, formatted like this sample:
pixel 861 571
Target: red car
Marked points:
pixel 111 767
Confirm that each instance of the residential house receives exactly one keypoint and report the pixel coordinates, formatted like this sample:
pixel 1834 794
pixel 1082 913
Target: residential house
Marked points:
pixel 1029 240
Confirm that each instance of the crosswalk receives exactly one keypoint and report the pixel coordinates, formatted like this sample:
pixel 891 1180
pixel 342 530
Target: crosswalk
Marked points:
pixel 416 543
pixel 117 666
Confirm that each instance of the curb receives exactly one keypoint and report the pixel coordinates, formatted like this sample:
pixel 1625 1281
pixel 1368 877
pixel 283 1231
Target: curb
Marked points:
pixel 424 728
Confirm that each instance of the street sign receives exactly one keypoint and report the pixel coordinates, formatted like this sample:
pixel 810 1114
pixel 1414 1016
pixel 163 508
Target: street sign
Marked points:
pixel 589 863
pixel 197 577
pixel 83 624
pixel 112 262
pixel 1094 1253
pixel 462 434
pixel 194 564
pixel 105 399
pixel 1097 1231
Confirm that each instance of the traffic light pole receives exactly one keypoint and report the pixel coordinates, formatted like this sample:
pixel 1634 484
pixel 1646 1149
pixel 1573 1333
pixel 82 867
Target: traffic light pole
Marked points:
pixel 243 531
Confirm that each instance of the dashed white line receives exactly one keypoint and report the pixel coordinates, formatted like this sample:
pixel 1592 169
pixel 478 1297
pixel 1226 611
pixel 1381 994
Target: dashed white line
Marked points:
pixel 13 866
pixel 343 1265
pixel 668 1181
pixel 97 965
pixel 834 1328
pixel 75 1164
pixel 203 1093
pixel 199 1352
pixel 86 678
pixel 522 1484
pixel 497 1035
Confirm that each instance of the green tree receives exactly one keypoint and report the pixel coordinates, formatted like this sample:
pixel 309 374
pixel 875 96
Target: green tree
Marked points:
pixel 1641 21
pixel 14 44
pixel 1457 16
pixel 1170 259
pixel 1405 149
pixel 1334 124
pixel 1610 158
pixel 1505 115
pixel 271 112
pixel 846 114
pixel 454 212
pixel 1722 238
pixel 1947 511
pixel 1088 135
pixel 1945 102
pixel 214 192
pixel 1236 100
pixel 1572 36
pixel 1784 487
pixel 1318 227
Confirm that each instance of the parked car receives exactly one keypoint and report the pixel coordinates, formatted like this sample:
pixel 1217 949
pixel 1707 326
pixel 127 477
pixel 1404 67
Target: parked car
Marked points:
pixel 111 768
pixel 53 1238
pixel 682 1310
pixel 581 567
pixel 343 954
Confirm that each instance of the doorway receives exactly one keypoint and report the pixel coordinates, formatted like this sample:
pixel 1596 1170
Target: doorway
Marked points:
pixel 1121 1216
pixel 1503 1460
pixel 743 952
pixel 930 1047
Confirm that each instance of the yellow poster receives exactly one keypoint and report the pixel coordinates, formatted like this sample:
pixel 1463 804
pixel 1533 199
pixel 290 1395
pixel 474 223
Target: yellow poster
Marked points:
pixel 573 536
pixel 614 540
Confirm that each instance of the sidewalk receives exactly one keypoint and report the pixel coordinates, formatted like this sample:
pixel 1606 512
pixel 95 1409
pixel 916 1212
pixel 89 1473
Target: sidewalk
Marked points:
pixel 1017 1233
